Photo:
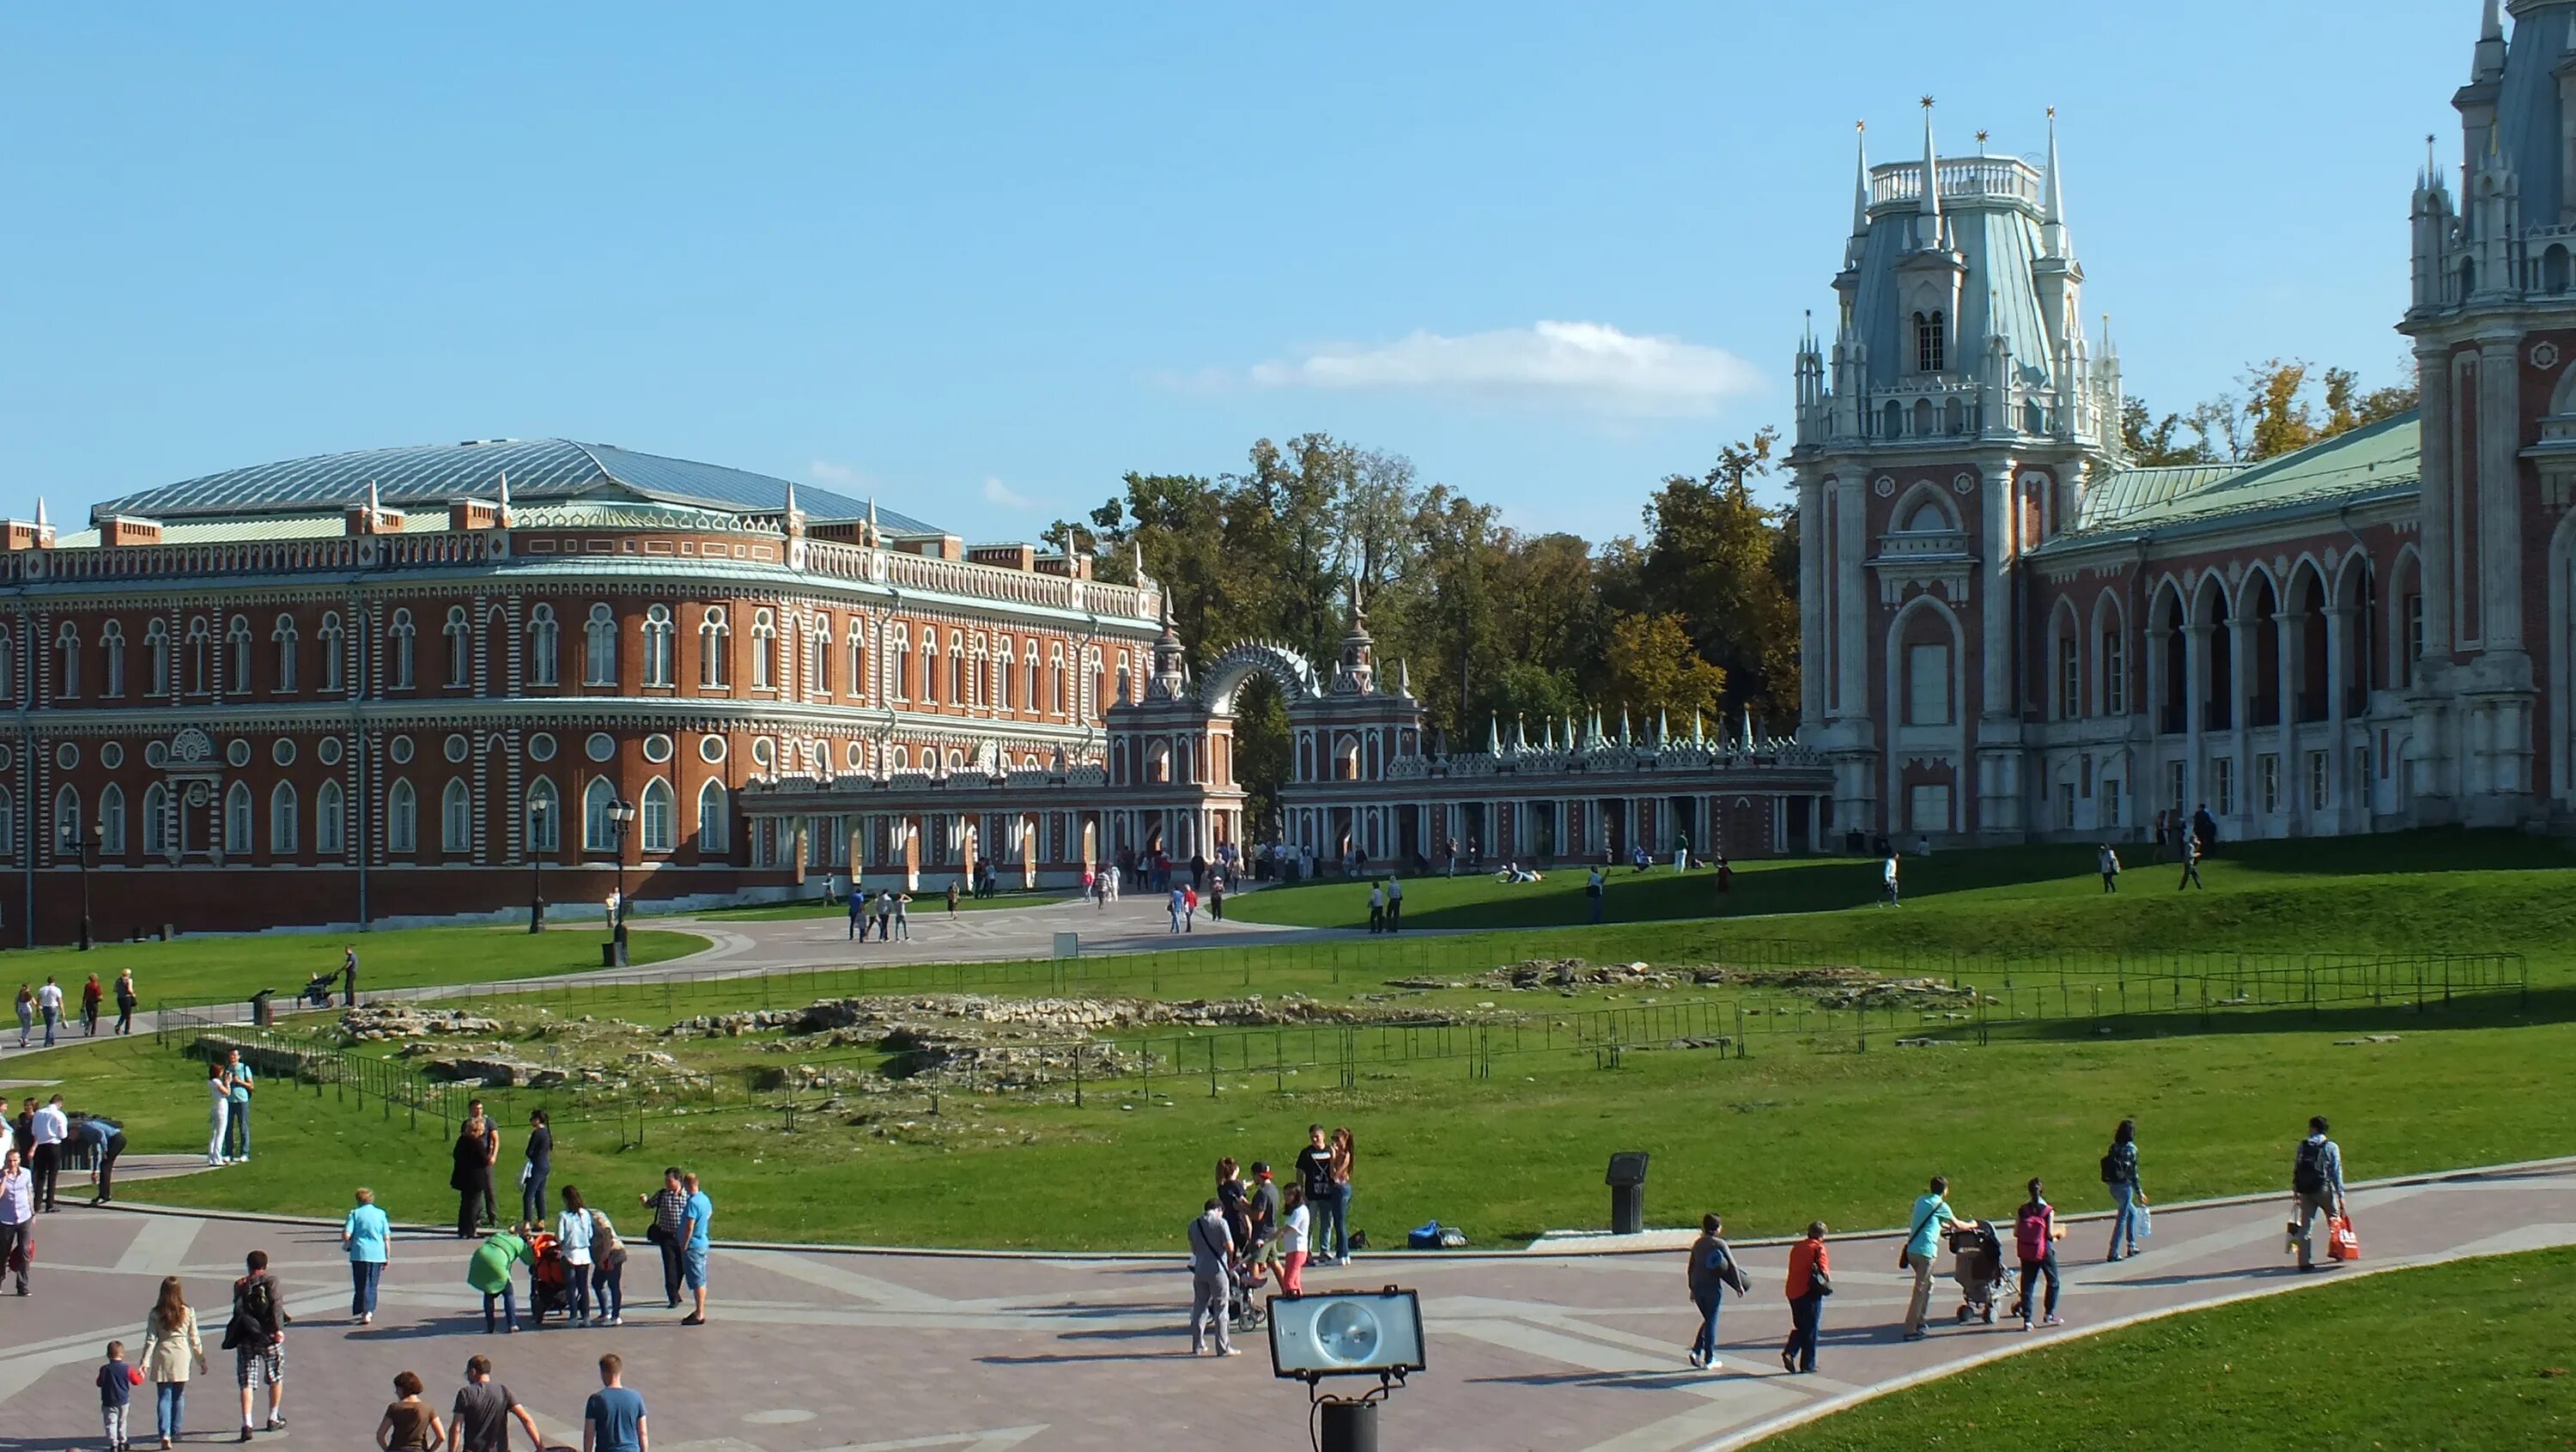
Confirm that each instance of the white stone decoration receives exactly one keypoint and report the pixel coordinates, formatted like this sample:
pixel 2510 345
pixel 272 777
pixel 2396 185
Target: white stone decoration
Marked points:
pixel 600 746
pixel 711 749
pixel 110 755
pixel 657 748
pixel 541 746
pixel 1963 482
pixel 2545 356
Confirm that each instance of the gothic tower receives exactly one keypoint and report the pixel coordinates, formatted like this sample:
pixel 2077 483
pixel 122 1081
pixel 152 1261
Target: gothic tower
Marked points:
pixel 1951 426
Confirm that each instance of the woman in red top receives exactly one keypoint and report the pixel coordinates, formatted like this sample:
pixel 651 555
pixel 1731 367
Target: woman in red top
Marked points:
pixel 1810 1281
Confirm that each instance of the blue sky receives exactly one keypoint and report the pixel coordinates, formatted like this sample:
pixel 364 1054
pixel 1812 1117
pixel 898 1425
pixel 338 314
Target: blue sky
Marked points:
pixel 982 260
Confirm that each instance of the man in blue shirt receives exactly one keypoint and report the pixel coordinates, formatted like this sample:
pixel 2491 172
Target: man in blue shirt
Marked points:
pixel 613 1419
pixel 2316 1186
pixel 693 1248
pixel 1930 1218
pixel 237 1124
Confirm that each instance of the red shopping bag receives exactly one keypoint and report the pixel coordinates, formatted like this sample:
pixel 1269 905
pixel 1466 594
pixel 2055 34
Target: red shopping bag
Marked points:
pixel 2342 1243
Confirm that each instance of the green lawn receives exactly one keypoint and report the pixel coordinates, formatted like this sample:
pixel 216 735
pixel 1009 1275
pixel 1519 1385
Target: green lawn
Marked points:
pixel 934 899
pixel 2470 1355
pixel 229 969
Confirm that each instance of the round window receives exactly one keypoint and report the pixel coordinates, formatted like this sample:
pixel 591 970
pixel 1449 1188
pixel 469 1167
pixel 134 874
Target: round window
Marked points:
pixel 657 748
pixel 851 756
pixel 541 747
pixel 155 754
pixel 67 755
pixel 399 749
pixel 458 748
pixel 328 749
pixel 237 751
pixel 601 746
pixel 5 758
pixel 711 749
pixel 110 755
pixel 762 751
pixel 282 751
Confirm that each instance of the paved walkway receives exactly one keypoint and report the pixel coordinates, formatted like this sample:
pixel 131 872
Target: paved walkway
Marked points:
pixel 820 1350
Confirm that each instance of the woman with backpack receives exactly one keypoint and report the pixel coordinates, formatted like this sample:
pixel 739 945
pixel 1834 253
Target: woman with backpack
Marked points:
pixel 2120 1174
pixel 2035 1235
pixel 1713 1272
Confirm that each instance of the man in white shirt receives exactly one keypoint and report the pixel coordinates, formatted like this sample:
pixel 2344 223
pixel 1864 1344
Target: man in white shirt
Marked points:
pixel 51 1127
pixel 49 1002
pixel 1887 870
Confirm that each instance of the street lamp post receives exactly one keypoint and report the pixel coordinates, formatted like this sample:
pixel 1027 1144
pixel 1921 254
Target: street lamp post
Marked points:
pixel 78 843
pixel 620 813
pixel 536 866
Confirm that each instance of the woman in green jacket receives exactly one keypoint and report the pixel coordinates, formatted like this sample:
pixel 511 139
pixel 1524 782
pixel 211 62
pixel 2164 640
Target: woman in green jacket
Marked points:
pixel 489 1272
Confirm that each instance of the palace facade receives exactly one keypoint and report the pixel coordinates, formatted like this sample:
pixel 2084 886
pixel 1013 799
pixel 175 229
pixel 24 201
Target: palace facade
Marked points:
pixel 2011 633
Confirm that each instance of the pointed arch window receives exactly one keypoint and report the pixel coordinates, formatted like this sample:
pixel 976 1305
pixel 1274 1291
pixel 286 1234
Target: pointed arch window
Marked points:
pixel 156 820
pixel 237 655
pixel 1930 355
pixel 8 668
pixel 330 813
pixel 399 641
pixel 460 647
pixel 67 662
pixel 111 822
pixel 1031 695
pixel 599 647
pixel 1055 669
pixel 715 819
pixel 545 817
pixel 598 827
pixel 858 659
pixel 402 818
pixel 818 657
pixel 929 666
pixel 200 651
pixel 764 650
pixel 284 820
pixel 657 645
pixel 283 637
pixel 544 641
pixel 237 832
pixel 111 649
pixel 67 821
pixel 957 669
pixel 456 819
pixel 658 817
pixel 715 636
pixel 333 645
pixel 1003 669
pixel 899 647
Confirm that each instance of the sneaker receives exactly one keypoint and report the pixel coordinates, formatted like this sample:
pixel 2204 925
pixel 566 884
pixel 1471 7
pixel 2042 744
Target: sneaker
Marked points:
pixel 1789 1363
pixel 1231 1351
pixel 1692 1356
pixel 2054 1321
pixel 276 1423
pixel 1712 1364
pixel 245 1432
pixel 2025 1325
pixel 1916 1335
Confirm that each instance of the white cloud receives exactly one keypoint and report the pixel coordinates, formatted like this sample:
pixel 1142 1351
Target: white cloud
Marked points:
pixel 1002 496
pixel 825 471
pixel 1593 367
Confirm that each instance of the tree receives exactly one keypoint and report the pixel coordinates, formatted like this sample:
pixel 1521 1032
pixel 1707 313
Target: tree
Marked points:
pixel 2152 443
pixel 1712 560
pixel 1654 667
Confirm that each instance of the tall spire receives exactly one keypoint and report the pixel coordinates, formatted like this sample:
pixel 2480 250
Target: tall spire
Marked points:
pixel 505 496
pixel 2489 65
pixel 42 522
pixel 2053 204
pixel 1860 182
pixel 1928 207
pixel 2492 26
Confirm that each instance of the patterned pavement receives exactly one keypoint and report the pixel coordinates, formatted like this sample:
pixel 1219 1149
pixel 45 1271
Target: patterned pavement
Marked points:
pixel 813 1350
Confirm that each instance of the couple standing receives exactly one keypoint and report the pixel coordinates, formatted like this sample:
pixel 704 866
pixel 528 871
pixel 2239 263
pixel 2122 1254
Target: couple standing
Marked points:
pixel 1324 1175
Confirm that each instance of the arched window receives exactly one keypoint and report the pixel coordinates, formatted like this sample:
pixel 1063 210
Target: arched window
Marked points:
pixel 599 647
pixel 111 646
pixel 899 645
pixel 929 666
pixel 1002 672
pixel 8 668
pixel 67 649
pixel 818 657
pixel 237 836
pixel 156 821
pixel 858 638
pixel 456 819
pixel 399 652
pixel 2033 419
pixel 715 820
pixel 656 816
pixel 714 636
pixel 1928 350
pixel 283 637
pixel 956 669
pixel 333 645
pixel 283 820
pixel 67 821
pixel 460 647
pixel 111 822
pixel 598 828
pixel 199 647
pixel 330 814
pixel 764 650
pixel 402 818
pixel 1126 681
pixel 1891 420
pixel 545 817
pixel 1032 697
pixel 544 642
pixel 657 645
pixel 237 655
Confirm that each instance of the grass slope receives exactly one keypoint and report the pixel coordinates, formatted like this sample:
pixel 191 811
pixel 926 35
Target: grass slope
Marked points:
pixel 230 969
pixel 2473 1354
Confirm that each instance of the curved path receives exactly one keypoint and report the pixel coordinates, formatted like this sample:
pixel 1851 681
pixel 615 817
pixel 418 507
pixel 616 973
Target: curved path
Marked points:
pixel 877 1351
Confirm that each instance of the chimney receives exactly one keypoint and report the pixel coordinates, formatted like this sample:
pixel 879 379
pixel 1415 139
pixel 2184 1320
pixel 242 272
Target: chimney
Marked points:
pixel 1006 556
pixel 1069 566
pixel 465 514
pixel 125 529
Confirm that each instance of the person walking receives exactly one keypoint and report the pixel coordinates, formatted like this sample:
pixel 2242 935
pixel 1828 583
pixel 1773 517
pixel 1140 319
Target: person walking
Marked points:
pixel 116 1384
pixel 219 1093
pixel 1593 887
pixel 2035 1236
pixel 2316 1188
pixel 49 1002
pixel 613 1419
pixel 2204 831
pixel 952 899
pixel 239 1082
pixel 1340 1154
pixel 368 1238
pixel 1712 1273
pixel 902 917
pixel 1394 905
pixel 607 1271
pixel 2107 862
pixel 105 1140
pixel 1211 1247
pixel 1810 1281
pixel 1296 1241
pixel 572 1242
pixel 1377 907
pixel 669 1205
pixel 349 975
pixel 1189 910
pixel 2120 1173
pixel 26 1015
pixel 52 1129
pixel 537 1168
pixel 858 906
pixel 170 1346
pixel 256 1336
pixel 409 1424
pixel 1216 899
pixel 126 999
pixel 1932 1216
pixel 1887 876
pixel 471 1174
pixel 17 1216
pixel 885 916
pixel 696 1214
pixel 91 995
pixel 2189 850
pixel 1173 907
pixel 1315 1178
pixel 479 1421
pixel 488 1271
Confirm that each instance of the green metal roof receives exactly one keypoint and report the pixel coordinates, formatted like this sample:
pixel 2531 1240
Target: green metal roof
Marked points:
pixel 2381 458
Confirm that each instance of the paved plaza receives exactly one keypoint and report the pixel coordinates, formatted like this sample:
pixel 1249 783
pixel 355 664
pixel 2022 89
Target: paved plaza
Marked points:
pixel 815 1350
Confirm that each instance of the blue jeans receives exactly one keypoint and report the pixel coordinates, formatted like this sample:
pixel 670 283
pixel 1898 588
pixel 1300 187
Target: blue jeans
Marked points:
pixel 52 1017
pixel 508 1298
pixel 169 1404
pixel 577 1290
pixel 363 1276
pixel 2124 1224
pixel 1804 1314
pixel 1341 1222
pixel 237 1130
pixel 2032 1273
pixel 1705 1347
pixel 608 1289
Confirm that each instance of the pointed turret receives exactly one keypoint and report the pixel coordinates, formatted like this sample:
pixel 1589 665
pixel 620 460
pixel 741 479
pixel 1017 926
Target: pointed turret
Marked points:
pixel 2053 203
pixel 1663 728
pixel 506 512
pixel 1927 218
pixel 43 521
pixel 875 539
pixel 1493 735
pixel 1520 733
pixel 1860 196
pixel 1699 729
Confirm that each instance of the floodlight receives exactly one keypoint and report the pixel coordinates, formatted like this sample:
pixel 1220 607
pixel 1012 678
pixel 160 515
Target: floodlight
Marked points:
pixel 1346 1333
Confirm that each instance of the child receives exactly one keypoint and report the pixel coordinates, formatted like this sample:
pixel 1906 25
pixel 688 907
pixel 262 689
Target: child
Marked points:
pixel 116 1384
pixel 1292 1242
pixel 489 1272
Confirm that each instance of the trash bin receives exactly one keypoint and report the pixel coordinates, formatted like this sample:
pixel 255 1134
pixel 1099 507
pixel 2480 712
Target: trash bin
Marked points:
pixel 263 1012
pixel 1627 1181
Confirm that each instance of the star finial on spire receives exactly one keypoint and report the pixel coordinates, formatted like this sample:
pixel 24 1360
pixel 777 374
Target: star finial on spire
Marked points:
pixel 1927 102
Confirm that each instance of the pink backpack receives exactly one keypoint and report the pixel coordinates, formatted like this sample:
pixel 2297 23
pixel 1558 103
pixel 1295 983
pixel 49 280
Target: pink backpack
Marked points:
pixel 2030 1232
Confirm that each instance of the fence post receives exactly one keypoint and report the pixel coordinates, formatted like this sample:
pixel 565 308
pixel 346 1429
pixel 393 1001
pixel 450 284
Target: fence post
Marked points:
pixel 1211 1066
pixel 1078 1056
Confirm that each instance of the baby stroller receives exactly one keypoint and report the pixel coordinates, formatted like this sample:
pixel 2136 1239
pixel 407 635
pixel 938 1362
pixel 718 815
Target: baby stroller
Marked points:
pixel 1984 1279
pixel 549 1279
pixel 1245 1276
pixel 317 990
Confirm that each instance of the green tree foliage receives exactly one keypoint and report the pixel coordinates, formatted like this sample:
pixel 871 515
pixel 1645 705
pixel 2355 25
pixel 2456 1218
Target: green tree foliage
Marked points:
pixel 2279 406
pixel 1654 666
